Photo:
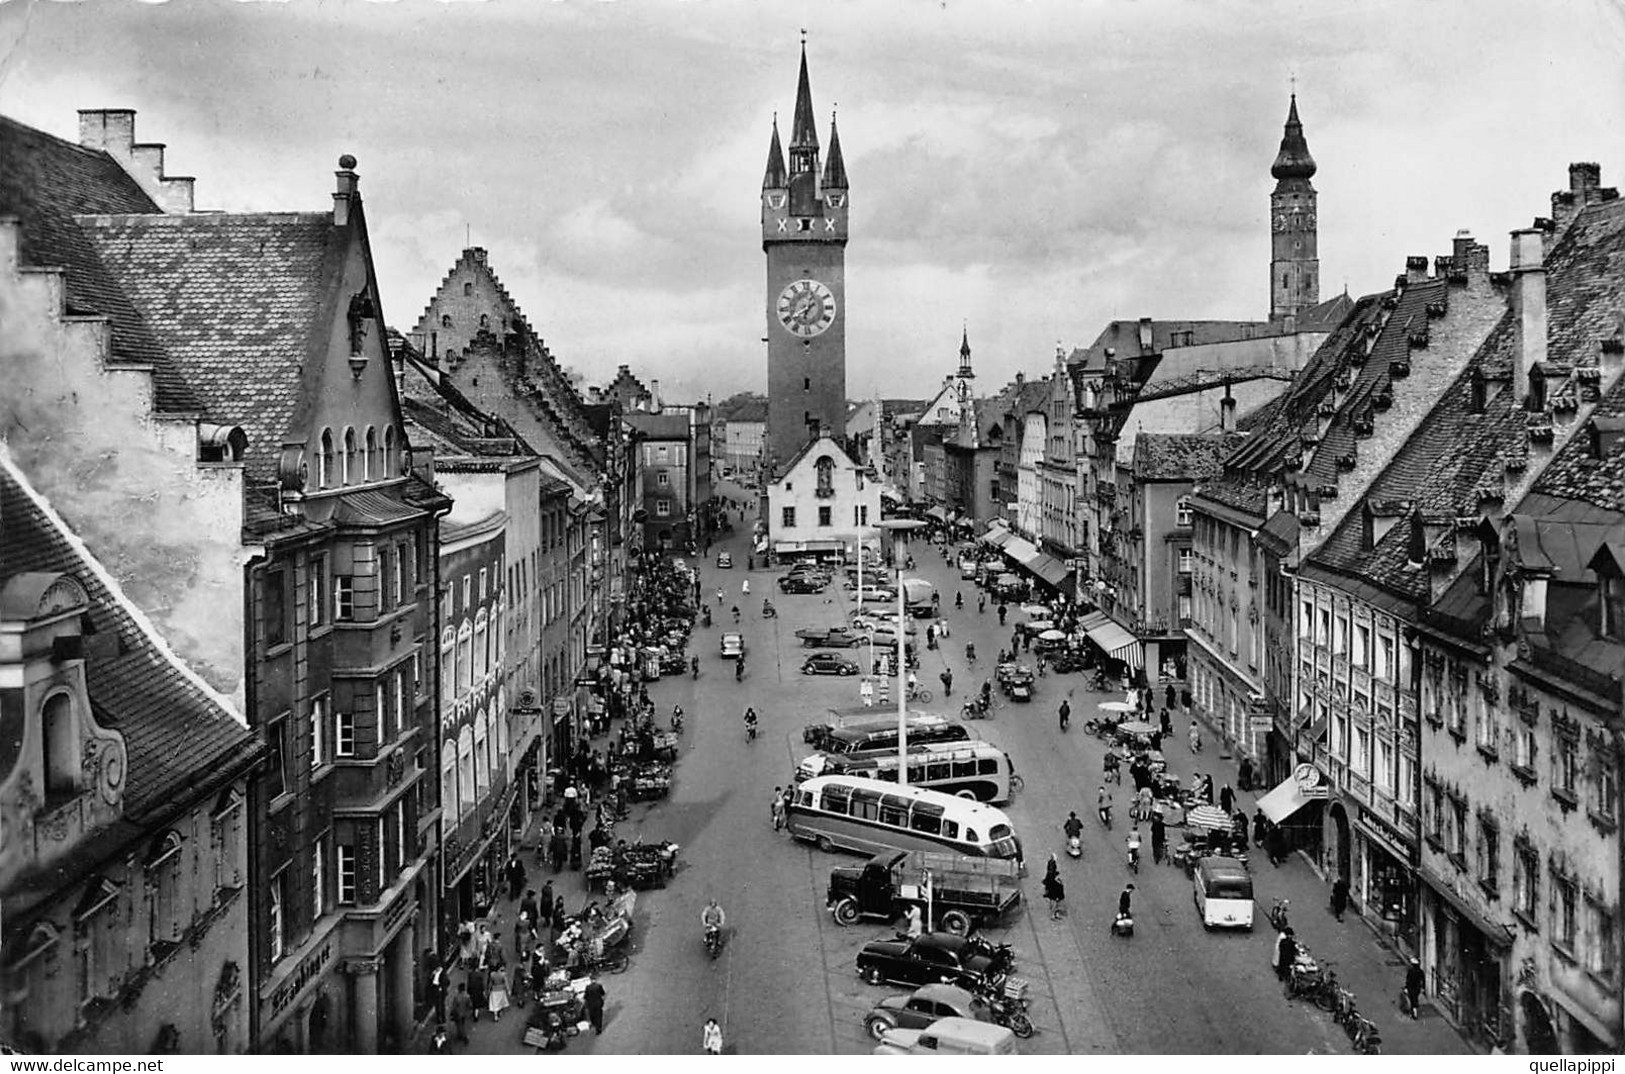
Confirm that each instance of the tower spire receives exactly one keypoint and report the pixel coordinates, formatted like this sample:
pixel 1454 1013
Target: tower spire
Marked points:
pixel 1293 161
pixel 834 167
pixel 774 178
pixel 803 132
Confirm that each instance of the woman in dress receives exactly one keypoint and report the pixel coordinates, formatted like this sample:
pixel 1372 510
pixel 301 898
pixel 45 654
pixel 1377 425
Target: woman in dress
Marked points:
pixel 497 982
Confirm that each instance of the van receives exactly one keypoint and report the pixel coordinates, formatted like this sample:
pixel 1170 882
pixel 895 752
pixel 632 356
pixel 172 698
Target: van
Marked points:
pixel 949 1036
pixel 1223 890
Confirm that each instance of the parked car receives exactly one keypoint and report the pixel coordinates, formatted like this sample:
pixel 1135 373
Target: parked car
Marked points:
pixel 733 646
pixel 725 559
pixel 949 1036
pixel 828 664
pixel 802 583
pixel 930 958
pixel 923 1006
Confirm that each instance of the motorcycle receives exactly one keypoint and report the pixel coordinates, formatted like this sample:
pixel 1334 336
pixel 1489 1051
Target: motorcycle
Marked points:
pixel 1001 955
pixel 1074 846
pixel 1008 1011
pixel 713 940
pixel 1134 859
pixel 977 708
pixel 750 731
pixel 768 611
pixel 1278 914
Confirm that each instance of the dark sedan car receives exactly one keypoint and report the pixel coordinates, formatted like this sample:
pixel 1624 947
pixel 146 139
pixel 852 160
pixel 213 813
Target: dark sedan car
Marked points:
pixel 931 958
pixel 828 664
pixel 802 583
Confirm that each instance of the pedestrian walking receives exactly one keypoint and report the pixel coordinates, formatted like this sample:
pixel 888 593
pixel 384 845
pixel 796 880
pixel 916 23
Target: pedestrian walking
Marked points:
pixel 1207 790
pixel 947 678
pixel 438 982
pixel 514 871
pixel 462 1012
pixel 1167 724
pixel 1415 982
pixel 916 922
pixel 981 603
pixel 776 809
pixel 1196 738
pixel 559 847
pixel 476 990
pixel 1275 844
pixel 499 1001
pixel 1260 824
pixel 1227 799
pixel 1340 897
pixel 593 997
pixel 1159 836
pixel 1065 713
pixel 712 1037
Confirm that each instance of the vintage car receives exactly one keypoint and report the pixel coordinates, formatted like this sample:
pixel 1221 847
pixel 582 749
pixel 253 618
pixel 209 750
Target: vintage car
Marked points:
pixel 828 664
pixel 802 583
pixel 924 1006
pixel 725 559
pixel 930 958
pixel 829 637
pixel 672 661
pixel 1016 680
pixel 733 645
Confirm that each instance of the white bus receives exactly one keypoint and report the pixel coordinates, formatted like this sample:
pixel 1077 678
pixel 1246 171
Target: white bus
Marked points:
pixel 972 769
pixel 870 816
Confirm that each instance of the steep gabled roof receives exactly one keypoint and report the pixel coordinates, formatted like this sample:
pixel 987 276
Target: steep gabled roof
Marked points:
pixel 44 181
pixel 236 300
pixel 183 740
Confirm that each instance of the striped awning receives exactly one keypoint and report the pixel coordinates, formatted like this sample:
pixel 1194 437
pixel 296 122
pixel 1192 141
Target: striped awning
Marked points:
pixel 997 536
pixel 937 514
pixel 1117 643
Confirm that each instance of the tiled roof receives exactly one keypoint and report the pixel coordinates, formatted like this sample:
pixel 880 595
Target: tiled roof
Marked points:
pixel 749 408
pixel 181 741
pixel 1451 458
pixel 1325 316
pixel 1179 456
pixel 235 298
pixel 1240 491
pixel 372 507
pixel 659 426
pixel 44 181
pixel 1124 338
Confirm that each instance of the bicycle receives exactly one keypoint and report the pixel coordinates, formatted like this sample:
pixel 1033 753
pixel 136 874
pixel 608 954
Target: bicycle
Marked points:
pixel 1366 1037
pixel 920 694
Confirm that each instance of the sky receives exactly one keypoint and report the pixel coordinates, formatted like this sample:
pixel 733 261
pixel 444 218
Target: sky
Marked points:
pixel 1023 170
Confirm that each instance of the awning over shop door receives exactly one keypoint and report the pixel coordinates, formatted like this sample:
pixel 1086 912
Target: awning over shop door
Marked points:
pixel 1021 550
pixel 1286 799
pixel 1117 643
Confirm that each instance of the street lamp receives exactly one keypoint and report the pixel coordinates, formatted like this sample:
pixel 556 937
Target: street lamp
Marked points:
pixel 900 529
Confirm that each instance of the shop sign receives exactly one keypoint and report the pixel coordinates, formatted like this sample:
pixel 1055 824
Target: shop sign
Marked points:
pixel 308 971
pixel 1261 724
pixel 1307 777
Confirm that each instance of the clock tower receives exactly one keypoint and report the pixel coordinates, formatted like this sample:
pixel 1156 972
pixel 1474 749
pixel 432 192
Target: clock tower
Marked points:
pixel 804 226
pixel 1294 253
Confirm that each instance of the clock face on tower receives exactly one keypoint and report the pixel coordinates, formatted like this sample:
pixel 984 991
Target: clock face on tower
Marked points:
pixel 806 308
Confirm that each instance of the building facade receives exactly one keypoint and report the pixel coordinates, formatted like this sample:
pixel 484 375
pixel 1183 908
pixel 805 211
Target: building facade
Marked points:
pixel 822 504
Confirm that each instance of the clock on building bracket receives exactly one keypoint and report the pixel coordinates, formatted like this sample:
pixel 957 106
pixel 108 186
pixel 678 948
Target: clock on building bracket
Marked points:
pixel 806 308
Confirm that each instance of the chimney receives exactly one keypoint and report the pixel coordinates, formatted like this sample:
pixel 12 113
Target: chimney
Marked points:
pixel 654 396
pixel 345 194
pixel 1416 269
pixel 113 130
pixel 1529 303
pixel 1227 412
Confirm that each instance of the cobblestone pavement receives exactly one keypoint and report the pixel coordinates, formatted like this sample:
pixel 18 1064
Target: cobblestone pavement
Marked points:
pixel 786 984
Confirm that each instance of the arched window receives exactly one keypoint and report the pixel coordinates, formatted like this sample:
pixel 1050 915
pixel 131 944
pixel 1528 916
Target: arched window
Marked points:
pixel 448 669
pixel 482 645
pixel 164 883
pixel 445 320
pixel 485 320
pixel 492 718
pixel 61 745
pixel 465 770
pixel 352 465
pixel 501 721
pixel 468 289
pixel 324 461
pixel 371 466
pixel 390 467
pixel 448 784
pixel 482 753
pixel 465 657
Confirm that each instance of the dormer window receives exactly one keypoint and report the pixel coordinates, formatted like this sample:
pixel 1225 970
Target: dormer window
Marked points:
pixel 60 740
pixel 1612 588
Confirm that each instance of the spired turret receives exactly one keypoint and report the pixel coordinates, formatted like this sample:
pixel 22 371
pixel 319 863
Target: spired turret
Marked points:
pixel 1293 161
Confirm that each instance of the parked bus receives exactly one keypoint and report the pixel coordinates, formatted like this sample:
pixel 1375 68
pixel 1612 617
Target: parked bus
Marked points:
pixel 972 769
pixel 870 816
pixel 923 727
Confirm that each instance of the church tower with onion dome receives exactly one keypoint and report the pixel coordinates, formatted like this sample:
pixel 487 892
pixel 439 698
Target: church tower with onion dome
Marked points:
pixel 1294 252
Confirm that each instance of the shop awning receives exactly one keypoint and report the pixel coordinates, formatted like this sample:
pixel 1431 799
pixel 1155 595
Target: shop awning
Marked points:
pixel 1092 620
pixel 1286 799
pixel 937 514
pixel 1050 569
pixel 1117 643
pixel 997 536
pixel 1494 933
pixel 1021 550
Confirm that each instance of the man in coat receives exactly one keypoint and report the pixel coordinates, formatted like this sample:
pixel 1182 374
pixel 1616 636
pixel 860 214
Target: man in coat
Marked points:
pixel 462 1012
pixel 593 997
